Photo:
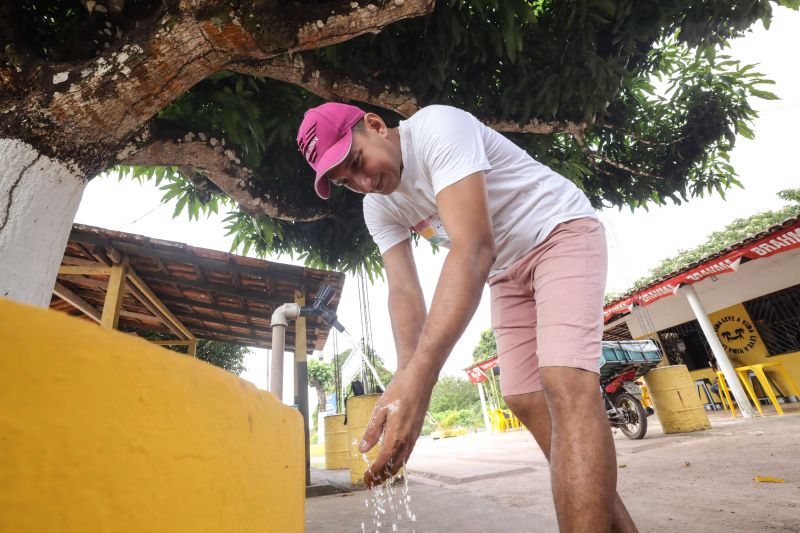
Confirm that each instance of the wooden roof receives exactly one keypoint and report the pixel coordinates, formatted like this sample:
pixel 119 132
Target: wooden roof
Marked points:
pixel 216 295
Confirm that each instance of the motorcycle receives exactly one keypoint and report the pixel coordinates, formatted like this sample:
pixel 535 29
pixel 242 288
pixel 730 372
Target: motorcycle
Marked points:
pixel 623 400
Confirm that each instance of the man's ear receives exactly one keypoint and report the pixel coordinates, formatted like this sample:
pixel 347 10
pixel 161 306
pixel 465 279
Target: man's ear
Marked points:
pixel 375 123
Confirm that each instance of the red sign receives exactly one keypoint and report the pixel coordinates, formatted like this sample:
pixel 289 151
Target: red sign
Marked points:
pixel 781 241
pixel 477 372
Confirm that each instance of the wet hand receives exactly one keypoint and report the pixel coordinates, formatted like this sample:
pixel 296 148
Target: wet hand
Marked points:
pixel 398 415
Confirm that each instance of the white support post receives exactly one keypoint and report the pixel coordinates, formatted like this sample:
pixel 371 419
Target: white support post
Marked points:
pixel 484 409
pixel 719 352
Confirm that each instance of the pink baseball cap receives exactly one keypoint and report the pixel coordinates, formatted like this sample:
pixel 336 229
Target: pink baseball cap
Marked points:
pixel 325 138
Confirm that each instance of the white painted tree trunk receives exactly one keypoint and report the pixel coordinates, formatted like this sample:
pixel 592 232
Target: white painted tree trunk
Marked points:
pixel 39 197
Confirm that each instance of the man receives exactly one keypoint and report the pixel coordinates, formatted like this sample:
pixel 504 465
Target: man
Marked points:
pixel 507 219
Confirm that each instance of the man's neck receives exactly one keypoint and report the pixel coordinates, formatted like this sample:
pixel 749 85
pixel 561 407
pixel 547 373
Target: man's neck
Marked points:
pixel 394 136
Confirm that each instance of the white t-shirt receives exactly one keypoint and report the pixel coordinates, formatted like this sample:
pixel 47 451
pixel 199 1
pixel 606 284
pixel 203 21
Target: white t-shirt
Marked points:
pixel 442 145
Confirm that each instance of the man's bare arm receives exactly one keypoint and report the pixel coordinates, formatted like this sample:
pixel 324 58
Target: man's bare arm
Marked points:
pixel 406 302
pixel 463 207
pixel 399 414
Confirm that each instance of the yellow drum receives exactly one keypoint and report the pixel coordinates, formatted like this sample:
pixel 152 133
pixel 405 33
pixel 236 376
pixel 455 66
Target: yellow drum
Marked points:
pixel 674 395
pixel 359 410
pixel 337 453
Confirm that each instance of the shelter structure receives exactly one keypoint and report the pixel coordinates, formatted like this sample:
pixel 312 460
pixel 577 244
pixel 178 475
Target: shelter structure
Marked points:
pixel 735 313
pixel 120 279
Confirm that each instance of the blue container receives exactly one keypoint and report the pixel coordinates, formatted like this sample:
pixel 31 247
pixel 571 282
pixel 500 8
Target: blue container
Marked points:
pixel 631 351
pixel 613 354
pixel 652 356
pixel 634 355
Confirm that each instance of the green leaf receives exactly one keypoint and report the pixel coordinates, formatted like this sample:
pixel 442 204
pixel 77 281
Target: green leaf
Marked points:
pixel 179 206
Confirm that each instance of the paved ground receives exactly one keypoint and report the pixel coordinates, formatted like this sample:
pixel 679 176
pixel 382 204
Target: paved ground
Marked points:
pixel 484 483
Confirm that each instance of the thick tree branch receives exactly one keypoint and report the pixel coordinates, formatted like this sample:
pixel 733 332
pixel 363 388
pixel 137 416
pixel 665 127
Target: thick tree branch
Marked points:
pixel 114 94
pixel 220 164
pixel 593 157
pixel 371 17
pixel 539 127
pixel 638 138
pixel 83 111
pixel 300 70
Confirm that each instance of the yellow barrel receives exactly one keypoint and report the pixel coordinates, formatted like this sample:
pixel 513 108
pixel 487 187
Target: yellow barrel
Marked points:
pixel 675 398
pixel 359 410
pixel 337 454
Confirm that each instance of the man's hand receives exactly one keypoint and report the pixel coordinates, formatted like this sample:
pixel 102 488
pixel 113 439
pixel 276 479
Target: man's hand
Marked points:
pixel 398 415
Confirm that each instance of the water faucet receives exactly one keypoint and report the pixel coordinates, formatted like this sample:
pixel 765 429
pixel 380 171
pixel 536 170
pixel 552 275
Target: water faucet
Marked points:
pixel 325 295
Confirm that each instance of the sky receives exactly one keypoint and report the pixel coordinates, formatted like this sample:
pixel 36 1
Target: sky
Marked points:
pixel 637 241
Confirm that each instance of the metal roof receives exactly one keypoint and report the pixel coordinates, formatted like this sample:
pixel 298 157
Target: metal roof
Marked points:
pixel 710 258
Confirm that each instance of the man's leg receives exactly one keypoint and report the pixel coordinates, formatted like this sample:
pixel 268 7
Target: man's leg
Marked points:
pixel 532 410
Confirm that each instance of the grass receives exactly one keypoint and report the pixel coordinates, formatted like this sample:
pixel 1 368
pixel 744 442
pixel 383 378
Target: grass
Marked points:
pixel 318 450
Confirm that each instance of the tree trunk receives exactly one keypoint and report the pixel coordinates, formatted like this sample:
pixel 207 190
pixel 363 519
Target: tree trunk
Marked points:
pixel 321 404
pixel 39 197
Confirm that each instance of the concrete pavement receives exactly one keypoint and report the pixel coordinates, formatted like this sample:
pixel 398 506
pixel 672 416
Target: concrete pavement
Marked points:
pixel 701 481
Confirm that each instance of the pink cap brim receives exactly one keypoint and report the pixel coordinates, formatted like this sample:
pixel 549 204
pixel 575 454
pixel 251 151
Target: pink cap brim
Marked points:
pixel 335 155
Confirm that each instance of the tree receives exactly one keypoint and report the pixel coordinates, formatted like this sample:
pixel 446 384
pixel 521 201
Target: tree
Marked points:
pixel 320 376
pixel 227 356
pixel 734 232
pixel 454 402
pixel 453 394
pixel 206 96
pixel 486 347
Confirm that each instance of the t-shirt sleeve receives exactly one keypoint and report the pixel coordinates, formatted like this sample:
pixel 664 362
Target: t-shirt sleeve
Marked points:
pixel 452 146
pixel 385 230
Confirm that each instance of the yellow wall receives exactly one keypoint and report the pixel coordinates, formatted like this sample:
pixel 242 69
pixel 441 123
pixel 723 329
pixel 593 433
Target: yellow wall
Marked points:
pixel 709 374
pixel 747 347
pixel 100 431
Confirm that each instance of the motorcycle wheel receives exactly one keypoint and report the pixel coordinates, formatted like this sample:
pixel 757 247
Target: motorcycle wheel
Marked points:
pixel 634 423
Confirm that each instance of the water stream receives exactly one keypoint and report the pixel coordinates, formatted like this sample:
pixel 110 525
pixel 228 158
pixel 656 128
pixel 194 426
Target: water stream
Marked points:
pixel 364 358
pixel 391 506
pixel 374 372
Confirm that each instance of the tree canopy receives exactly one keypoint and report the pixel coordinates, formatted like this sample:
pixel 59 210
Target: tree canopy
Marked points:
pixel 486 347
pixel 635 102
pixel 454 402
pixel 224 355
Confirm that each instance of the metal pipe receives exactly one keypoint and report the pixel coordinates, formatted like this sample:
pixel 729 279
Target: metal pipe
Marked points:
pixel 276 363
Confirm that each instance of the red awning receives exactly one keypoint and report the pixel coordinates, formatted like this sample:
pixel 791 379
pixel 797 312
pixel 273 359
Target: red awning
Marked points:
pixel 477 372
pixel 783 240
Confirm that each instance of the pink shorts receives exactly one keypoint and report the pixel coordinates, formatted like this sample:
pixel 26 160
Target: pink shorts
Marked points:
pixel 547 308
